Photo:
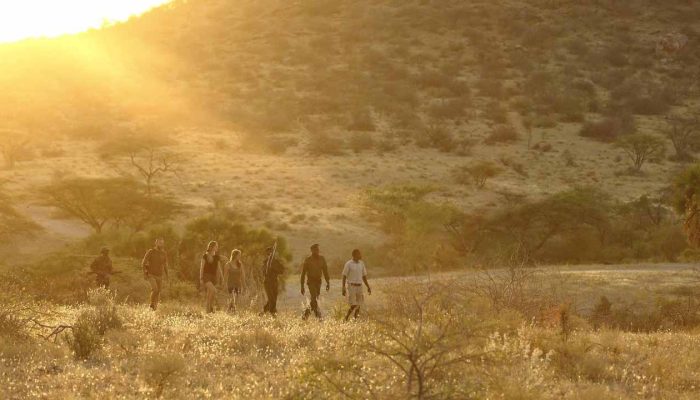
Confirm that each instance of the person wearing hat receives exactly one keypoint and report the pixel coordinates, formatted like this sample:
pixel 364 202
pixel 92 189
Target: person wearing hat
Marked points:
pixel 313 269
pixel 102 268
pixel 272 269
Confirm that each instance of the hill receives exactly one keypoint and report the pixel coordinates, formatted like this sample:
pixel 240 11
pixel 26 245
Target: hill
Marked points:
pixel 298 107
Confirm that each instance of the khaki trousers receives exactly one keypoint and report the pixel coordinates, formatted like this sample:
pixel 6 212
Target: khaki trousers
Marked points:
pixel 156 286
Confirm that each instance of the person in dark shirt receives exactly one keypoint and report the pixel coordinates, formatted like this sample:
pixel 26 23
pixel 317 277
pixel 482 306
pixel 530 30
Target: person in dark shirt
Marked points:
pixel 155 265
pixel 313 269
pixel 272 269
pixel 102 268
pixel 210 274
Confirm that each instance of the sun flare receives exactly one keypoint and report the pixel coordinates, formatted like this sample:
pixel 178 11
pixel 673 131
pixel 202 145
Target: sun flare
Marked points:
pixel 48 18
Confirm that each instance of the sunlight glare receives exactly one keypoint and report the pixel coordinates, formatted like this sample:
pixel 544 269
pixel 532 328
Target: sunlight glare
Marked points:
pixel 20 19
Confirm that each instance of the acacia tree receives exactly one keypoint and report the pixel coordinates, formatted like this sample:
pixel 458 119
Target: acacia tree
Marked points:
pixel 149 156
pixel 684 135
pixel 12 222
pixel 687 202
pixel 427 334
pixel 641 147
pixel 95 201
pixel 531 226
pixel 13 145
pixel 479 173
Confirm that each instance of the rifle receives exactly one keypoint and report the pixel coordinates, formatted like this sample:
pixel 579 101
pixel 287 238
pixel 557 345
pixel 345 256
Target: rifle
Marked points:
pixel 271 257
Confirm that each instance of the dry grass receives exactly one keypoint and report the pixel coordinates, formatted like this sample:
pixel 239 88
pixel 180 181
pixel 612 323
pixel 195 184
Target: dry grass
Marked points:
pixel 179 352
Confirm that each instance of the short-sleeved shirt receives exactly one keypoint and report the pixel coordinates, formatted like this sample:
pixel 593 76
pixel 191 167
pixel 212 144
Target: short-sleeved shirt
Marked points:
pixel 315 268
pixel 354 271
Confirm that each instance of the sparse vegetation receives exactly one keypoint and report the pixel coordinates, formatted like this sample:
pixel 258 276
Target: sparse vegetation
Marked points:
pixel 609 129
pixel 477 173
pixel 684 134
pixel 641 148
pixel 207 120
pixel 502 134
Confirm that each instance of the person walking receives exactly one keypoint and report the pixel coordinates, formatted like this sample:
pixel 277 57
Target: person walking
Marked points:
pixel 234 278
pixel 354 274
pixel 313 269
pixel 272 269
pixel 210 273
pixel 155 265
pixel 101 266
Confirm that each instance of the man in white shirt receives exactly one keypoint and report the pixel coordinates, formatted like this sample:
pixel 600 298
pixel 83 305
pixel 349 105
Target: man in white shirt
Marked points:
pixel 354 274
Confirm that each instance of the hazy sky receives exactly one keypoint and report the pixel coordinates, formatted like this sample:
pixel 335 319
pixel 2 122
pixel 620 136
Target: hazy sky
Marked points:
pixel 32 18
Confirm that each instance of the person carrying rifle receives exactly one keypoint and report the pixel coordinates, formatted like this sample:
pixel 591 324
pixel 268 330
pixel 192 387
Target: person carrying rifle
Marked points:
pixel 313 269
pixel 272 269
pixel 102 268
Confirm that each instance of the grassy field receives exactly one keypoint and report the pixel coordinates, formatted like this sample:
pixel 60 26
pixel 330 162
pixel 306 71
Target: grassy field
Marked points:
pixel 491 144
pixel 465 344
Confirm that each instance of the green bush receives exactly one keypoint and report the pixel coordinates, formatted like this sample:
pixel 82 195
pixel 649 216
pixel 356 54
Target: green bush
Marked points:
pixel 85 338
pixel 437 136
pixel 454 108
pixel 502 134
pixel 609 129
pixel 105 306
pixel 477 173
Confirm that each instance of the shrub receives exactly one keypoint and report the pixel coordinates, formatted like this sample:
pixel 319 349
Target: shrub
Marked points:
pixel 257 340
pixel 641 147
pixel 609 129
pixel 361 141
pixel 437 136
pixel 495 112
pixel 386 145
pixel 448 108
pixel 648 105
pixel 125 340
pixel 569 106
pixel 161 370
pixel 362 121
pixel 322 144
pixel 479 173
pixel 268 143
pixel 105 316
pixel 85 337
pixel 502 134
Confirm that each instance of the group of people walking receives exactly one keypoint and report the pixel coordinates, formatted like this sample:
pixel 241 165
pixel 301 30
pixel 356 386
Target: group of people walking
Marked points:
pixel 215 270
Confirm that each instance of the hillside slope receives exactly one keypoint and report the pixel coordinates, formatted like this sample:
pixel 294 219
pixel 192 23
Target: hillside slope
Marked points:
pixel 415 88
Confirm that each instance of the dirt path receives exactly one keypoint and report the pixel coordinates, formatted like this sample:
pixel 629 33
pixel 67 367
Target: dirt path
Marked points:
pixel 583 282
